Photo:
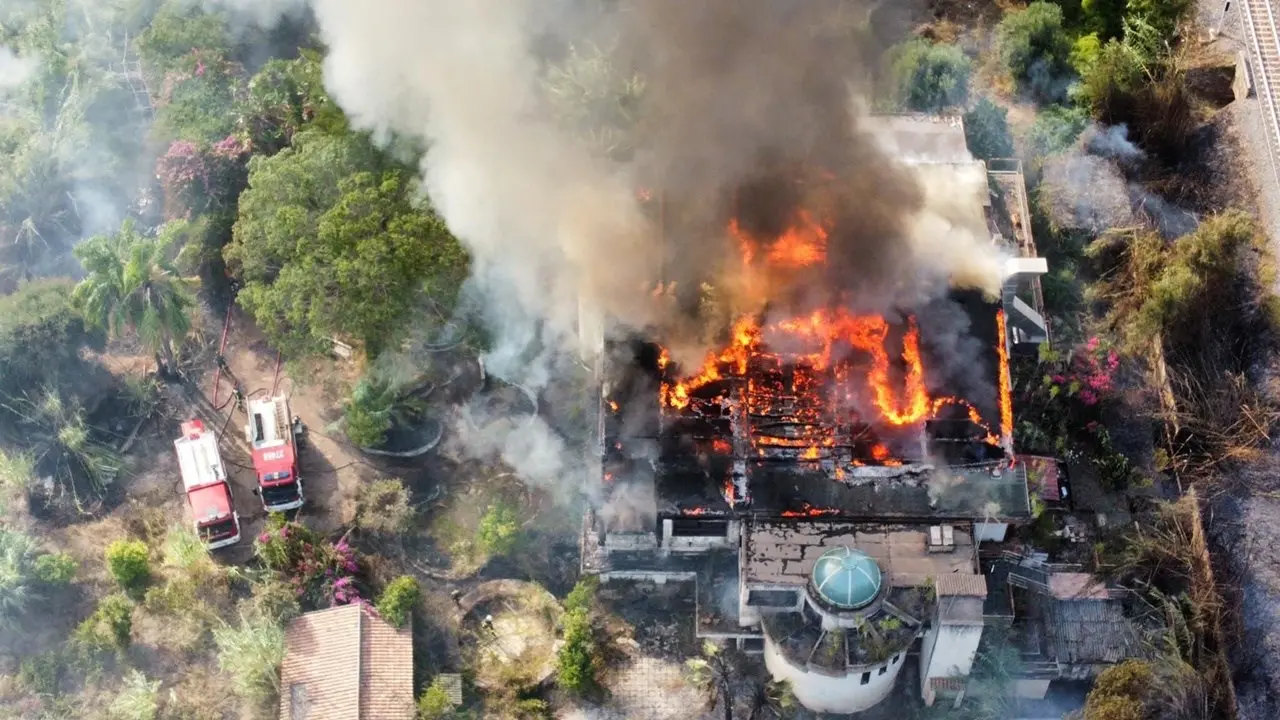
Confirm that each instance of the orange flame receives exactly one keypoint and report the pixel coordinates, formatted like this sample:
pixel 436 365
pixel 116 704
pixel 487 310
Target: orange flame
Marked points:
pixel 804 244
pixel 1006 384
pixel 810 511
pixel 695 511
pixel 613 406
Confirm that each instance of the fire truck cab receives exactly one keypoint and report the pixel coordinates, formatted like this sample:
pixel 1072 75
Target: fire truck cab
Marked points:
pixel 272 434
pixel 204 478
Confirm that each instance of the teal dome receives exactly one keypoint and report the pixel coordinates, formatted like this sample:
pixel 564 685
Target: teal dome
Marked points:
pixel 846 579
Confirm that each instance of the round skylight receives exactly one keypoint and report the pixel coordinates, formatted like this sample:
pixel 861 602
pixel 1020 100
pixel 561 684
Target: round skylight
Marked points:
pixel 846 578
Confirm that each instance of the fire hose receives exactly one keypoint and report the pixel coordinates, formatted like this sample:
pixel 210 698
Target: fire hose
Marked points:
pixel 222 346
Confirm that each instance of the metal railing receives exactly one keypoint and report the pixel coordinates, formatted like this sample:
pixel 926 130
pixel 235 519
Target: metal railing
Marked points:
pixel 1260 24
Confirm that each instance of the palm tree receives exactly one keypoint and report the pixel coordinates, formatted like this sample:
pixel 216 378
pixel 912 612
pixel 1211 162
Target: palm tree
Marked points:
pixel 132 283
pixel 17 576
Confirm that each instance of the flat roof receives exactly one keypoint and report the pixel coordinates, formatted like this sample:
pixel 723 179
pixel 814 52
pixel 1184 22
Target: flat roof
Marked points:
pixel 199 461
pixel 784 553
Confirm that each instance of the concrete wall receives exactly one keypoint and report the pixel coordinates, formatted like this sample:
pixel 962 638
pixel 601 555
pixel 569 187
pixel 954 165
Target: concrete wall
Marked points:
pixel 947 651
pixel 826 693
pixel 1242 85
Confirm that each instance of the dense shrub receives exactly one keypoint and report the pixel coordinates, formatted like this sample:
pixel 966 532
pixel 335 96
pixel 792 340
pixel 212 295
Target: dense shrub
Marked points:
pixel 398 600
pixel 499 529
pixel 383 506
pixel 128 563
pixel 1056 128
pixel 928 77
pixel 321 573
pixel 196 100
pixel 110 627
pixel 986 131
pixel 433 703
pixel 583 595
pixel 56 569
pixel 575 663
pixel 1034 48
pixel 201 177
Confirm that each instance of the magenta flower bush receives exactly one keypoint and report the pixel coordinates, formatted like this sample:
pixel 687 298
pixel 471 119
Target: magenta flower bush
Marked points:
pixel 195 178
pixel 1089 375
pixel 321 573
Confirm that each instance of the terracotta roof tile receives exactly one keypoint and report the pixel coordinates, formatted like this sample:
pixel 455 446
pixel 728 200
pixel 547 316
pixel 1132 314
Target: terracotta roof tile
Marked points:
pixel 961 584
pixel 346 663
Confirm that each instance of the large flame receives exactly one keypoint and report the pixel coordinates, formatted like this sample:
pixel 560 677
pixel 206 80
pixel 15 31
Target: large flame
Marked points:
pixel 1006 391
pixel 825 344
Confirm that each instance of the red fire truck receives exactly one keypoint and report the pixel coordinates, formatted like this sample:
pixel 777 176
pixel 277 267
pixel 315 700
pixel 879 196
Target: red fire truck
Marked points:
pixel 205 480
pixel 273 437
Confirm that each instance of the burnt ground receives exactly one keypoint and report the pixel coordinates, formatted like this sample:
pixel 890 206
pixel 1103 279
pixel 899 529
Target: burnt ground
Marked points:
pixel 1243 518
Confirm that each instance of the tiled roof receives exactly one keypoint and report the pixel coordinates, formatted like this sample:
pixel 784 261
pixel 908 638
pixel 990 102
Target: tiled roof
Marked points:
pixel 1090 631
pixel 346 663
pixel 966 585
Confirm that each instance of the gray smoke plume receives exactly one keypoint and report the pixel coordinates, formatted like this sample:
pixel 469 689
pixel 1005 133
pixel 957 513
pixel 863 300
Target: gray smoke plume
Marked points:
pixel 745 113
pixel 14 70
pixel 1087 189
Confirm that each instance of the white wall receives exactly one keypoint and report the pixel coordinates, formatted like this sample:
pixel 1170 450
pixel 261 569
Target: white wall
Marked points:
pixel 824 693
pixel 952 652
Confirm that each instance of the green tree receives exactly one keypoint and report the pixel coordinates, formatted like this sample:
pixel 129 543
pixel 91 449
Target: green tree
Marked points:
pixel 69 450
pixel 986 130
pixel 575 662
pixel 176 30
pixel 927 76
pixel 284 97
pixel 499 529
pixel 251 653
pixel 398 600
pixel 1034 47
pixel 332 239
pixel 198 99
pixel 131 283
pixel 17 576
pixel 128 563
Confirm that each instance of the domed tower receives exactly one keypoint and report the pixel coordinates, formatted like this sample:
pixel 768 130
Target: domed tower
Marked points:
pixel 841 651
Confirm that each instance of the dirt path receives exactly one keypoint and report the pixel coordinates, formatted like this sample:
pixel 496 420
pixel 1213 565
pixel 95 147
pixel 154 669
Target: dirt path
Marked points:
pixel 331 470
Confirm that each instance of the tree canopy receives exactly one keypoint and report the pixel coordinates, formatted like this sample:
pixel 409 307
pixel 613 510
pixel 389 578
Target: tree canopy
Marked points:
pixel 927 76
pixel 133 284
pixel 1035 47
pixel 333 238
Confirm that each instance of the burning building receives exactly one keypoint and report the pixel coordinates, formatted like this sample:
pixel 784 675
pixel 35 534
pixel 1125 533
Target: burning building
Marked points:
pixel 825 474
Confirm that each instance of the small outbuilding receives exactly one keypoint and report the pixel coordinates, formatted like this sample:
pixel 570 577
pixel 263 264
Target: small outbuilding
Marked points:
pixel 346 663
